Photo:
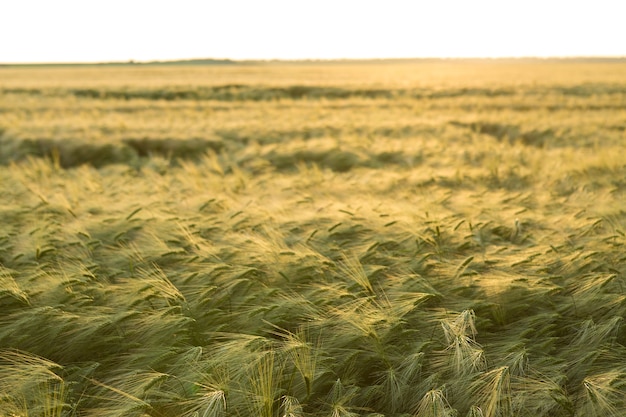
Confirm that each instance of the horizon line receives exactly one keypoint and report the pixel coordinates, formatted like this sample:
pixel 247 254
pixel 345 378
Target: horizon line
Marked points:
pixel 315 60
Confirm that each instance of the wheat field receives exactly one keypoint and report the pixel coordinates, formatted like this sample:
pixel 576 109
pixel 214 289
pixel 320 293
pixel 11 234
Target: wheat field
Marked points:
pixel 339 239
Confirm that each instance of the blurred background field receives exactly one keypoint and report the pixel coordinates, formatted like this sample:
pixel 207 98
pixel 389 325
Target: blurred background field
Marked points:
pixel 429 237
pixel 111 114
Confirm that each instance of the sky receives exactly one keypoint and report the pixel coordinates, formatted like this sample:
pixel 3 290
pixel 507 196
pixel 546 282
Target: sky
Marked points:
pixel 145 30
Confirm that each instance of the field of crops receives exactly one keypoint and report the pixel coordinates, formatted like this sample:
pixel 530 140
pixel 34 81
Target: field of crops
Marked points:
pixel 419 238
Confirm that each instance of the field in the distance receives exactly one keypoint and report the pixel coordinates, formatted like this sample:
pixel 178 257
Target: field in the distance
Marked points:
pixel 428 238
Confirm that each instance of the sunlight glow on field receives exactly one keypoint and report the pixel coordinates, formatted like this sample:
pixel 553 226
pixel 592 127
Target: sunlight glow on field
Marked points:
pixel 386 239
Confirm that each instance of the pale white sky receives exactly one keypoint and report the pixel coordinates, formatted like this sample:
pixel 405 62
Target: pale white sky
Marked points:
pixel 120 30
